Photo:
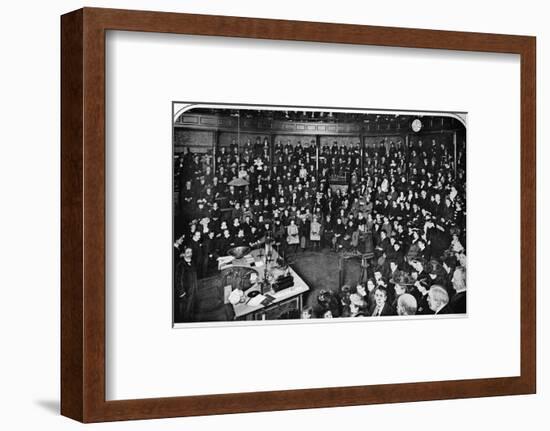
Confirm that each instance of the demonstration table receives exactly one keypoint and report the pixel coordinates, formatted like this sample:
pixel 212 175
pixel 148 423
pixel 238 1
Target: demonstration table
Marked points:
pixel 286 300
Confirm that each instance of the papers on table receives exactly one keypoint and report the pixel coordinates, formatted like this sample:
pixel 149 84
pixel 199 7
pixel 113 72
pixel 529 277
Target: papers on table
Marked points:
pixel 254 302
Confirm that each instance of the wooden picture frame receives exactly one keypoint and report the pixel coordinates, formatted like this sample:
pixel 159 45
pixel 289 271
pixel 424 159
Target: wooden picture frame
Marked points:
pixel 83 214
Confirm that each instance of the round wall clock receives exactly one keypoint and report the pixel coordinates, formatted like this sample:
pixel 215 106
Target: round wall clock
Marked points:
pixel 416 125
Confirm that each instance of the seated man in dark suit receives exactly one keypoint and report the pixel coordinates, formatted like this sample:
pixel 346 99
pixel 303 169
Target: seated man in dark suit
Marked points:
pixel 457 303
pixel 381 307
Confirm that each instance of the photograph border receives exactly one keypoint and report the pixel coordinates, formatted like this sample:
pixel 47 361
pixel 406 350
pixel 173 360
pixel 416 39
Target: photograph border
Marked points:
pixel 83 213
pixel 367 111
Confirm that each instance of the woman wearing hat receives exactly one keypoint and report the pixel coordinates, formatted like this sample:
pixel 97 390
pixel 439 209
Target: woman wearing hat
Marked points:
pixel 402 283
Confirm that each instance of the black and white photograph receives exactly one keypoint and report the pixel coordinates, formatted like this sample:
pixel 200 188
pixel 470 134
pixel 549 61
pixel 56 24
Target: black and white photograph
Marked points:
pixel 291 213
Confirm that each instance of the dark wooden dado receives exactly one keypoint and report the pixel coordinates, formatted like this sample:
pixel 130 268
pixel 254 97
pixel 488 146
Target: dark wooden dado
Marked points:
pixel 392 124
pixel 204 132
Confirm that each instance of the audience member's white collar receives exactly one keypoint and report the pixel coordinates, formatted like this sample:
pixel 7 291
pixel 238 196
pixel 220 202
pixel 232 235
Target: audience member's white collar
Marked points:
pixel 440 308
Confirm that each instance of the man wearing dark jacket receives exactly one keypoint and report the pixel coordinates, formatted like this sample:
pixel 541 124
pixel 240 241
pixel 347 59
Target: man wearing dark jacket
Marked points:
pixel 458 301
pixel 381 306
pixel 197 246
pixel 185 288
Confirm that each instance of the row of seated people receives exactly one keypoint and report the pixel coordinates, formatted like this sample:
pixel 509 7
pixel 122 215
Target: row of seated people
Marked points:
pixel 384 148
pixel 394 288
pixel 422 289
pixel 398 220
pixel 382 238
pixel 386 155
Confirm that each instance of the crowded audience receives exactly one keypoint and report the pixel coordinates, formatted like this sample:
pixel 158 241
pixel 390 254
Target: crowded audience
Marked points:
pixel 402 209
